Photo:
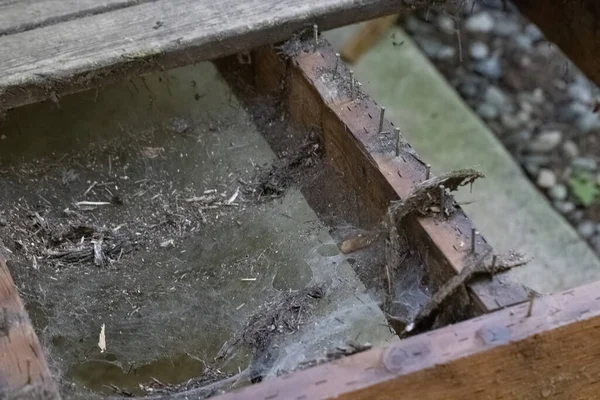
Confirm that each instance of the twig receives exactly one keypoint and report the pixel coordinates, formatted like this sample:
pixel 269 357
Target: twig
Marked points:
pixel 92 186
pixel 431 309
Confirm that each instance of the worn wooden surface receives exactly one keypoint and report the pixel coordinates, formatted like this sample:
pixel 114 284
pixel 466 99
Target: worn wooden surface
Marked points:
pixel 550 354
pixel 85 52
pixel 21 15
pixel 368 163
pixel 24 373
pixel 574 25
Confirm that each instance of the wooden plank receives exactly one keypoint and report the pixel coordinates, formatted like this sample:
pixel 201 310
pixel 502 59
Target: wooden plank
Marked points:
pixel 573 26
pixel 369 164
pixel 86 52
pixel 21 15
pixel 24 373
pixel 550 352
pixel 365 37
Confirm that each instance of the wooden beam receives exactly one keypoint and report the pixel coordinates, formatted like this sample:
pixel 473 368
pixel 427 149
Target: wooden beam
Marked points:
pixel 573 26
pixel 24 373
pixel 547 350
pixel 368 162
pixel 78 54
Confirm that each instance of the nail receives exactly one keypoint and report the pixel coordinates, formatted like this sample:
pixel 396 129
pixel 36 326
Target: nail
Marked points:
pixel 316 32
pixel 352 84
pixel 397 133
pixel 428 171
pixel 381 119
pixel 337 64
pixel 474 234
pixel 442 197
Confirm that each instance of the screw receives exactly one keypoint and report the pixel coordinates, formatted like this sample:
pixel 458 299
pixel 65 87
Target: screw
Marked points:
pixel 428 171
pixel 316 32
pixel 381 119
pixel 337 63
pixel 352 84
pixel 474 234
pixel 397 133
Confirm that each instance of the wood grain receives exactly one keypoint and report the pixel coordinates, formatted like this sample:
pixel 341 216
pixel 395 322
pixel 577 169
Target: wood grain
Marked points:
pixel 369 165
pixel 85 52
pixel 551 354
pixel 21 15
pixel 573 25
pixel 24 373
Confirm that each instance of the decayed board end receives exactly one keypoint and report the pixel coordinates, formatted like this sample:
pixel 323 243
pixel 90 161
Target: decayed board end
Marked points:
pixel 24 373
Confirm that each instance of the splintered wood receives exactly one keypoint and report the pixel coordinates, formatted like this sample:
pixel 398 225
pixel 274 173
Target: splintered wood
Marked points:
pixel 24 373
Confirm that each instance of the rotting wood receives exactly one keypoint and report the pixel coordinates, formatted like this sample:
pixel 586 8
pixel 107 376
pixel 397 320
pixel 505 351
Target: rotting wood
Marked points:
pixel 552 353
pixel 21 15
pixel 367 161
pixel 573 26
pixel 82 53
pixel 24 373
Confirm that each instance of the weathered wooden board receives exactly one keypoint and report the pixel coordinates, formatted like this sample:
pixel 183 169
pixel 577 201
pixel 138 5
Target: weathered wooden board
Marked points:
pixel 21 15
pixel 24 373
pixel 573 25
pixel 85 52
pixel 544 350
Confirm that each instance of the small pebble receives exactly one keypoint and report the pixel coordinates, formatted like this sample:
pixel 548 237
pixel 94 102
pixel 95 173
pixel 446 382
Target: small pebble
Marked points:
pixel 446 53
pixel 489 68
pixel 3 221
pixel 558 192
pixel 506 27
pixel 588 121
pixel 523 42
pixel 445 24
pixel 546 178
pixel 587 163
pixel 482 23
pixel 533 32
pixel 570 149
pixel 586 229
pixel 580 92
pixel 487 111
pixel 495 96
pixel 564 207
pixel 479 50
pixel 545 141
pixel 509 121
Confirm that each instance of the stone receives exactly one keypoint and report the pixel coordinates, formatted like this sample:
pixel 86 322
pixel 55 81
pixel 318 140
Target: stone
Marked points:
pixel 481 23
pixel 537 96
pixel 446 53
pixel 586 228
pixel 490 68
pixel 564 207
pixel 506 27
pixel 580 92
pixel 487 111
pixel 445 24
pixel 479 50
pixel 570 149
pixel 510 122
pixel 588 121
pixel 467 89
pixel 495 96
pixel 533 32
pixel 586 163
pixel 545 141
pixel 546 178
pixel 523 42
pixel 558 192
pixel 430 47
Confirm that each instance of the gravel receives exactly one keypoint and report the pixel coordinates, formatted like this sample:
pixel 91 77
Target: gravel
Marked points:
pixel 538 104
